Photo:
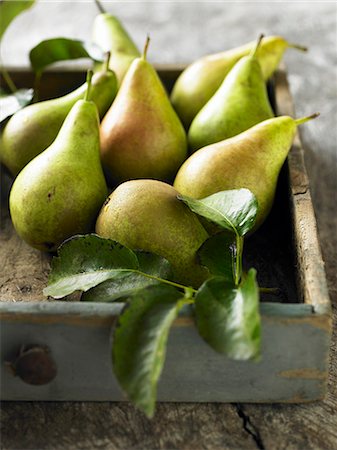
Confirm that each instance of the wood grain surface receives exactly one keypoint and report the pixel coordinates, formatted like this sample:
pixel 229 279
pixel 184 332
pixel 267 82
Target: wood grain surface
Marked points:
pixel 43 425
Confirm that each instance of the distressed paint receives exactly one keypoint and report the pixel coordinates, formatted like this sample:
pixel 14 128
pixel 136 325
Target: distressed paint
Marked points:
pixel 193 371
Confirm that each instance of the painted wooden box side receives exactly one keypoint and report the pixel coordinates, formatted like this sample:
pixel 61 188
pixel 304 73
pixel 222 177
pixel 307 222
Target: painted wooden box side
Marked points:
pixel 292 367
pixel 295 346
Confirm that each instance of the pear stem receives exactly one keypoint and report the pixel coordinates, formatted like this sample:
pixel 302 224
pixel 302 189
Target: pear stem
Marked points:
pixel 306 119
pixel 107 61
pixel 146 46
pixel 87 93
pixel 257 45
pixel 302 48
pixel 100 7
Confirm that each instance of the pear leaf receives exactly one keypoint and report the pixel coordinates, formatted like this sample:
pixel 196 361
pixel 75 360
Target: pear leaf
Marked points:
pixel 111 290
pixel 11 103
pixel 217 254
pixel 228 317
pixel 85 261
pixel 60 49
pixel 139 342
pixel 9 10
pixel 233 210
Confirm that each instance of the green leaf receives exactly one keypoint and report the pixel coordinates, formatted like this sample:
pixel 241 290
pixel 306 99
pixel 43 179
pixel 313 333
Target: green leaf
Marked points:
pixel 86 261
pixel 139 343
pixel 112 290
pixel 9 10
pixel 11 103
pixel 228 318
pixel 60 49
pixel 233 210
pixel 217 254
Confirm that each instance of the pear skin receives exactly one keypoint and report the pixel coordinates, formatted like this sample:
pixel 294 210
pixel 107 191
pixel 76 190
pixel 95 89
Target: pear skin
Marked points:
pixel 240 102
pixel 60 192
pixel 141 135
pixel 110 35
pixel 252 160
pixel 32 129
pixel 201 79
pixel 146 215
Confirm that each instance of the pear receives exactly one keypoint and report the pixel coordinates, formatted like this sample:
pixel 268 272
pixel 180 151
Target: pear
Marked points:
pixel 60 192
pixel 200 80
pixel 110 35
pixel 141 135
pixel 252 159
pixel 146 215
pixel 240 102
pixel 32 129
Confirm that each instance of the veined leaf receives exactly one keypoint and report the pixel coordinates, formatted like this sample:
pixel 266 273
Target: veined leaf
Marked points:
pixel 11 103
pixel 111 290
pixel 233 210
pixel 228 318
pixel 60 49
pixel 139 343
pixel 217 254
pixel 9 10
pixel 86 261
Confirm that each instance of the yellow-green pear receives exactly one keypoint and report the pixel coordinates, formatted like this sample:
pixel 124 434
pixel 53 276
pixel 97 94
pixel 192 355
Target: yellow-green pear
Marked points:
pixel 146 215
pixel 201 79
pixel 141 135
pixel 240 102
pixel 32 129
pixel 110 35
pixel 252 160
pixel 60 192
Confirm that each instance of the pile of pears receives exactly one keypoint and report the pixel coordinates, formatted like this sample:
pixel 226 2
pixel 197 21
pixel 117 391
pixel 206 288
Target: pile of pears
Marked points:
pixel 120 129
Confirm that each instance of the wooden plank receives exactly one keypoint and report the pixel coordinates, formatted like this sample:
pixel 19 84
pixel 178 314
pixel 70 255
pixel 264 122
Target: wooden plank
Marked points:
pixel 310 266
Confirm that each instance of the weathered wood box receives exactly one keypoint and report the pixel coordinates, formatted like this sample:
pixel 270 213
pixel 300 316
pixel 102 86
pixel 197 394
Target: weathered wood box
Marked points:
pixel 295 324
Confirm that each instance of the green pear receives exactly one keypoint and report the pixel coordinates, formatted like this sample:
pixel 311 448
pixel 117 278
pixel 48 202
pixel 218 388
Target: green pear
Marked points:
pixel 60 192
pixel 200 80
pixel 252 160
pixel 32 129
pixel 141 135
pixel 240 102
pixel 146 215
pixel 110 35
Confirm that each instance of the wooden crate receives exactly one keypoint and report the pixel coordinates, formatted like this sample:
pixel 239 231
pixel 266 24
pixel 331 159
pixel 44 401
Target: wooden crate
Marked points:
pixel 296 326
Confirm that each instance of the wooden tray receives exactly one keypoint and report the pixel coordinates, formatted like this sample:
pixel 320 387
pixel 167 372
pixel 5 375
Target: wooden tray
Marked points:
pixel 296 325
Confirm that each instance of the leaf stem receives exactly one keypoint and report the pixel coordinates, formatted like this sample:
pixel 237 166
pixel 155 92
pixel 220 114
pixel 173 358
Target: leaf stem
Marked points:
pixel 162 280
pixel 7 78
pixel 238 259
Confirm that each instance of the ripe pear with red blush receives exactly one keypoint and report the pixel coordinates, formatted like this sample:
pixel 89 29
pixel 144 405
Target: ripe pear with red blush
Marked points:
pixel 141 135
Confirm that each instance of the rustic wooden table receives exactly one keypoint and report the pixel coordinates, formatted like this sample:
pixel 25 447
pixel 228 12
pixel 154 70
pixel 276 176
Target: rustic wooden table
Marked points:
pixel 182 31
